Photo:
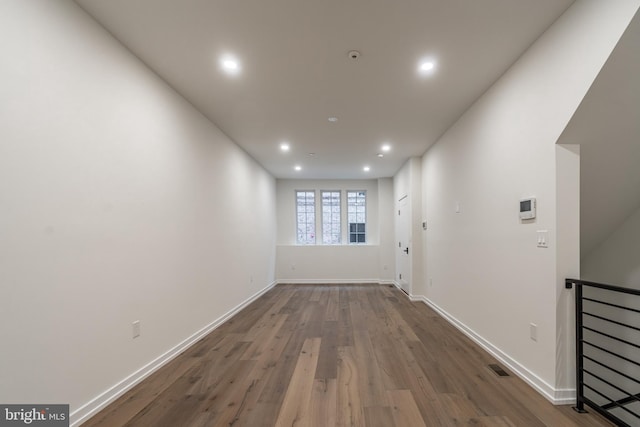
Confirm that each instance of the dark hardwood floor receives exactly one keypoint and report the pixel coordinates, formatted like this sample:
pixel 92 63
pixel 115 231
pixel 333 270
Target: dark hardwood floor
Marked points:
pixel 335 355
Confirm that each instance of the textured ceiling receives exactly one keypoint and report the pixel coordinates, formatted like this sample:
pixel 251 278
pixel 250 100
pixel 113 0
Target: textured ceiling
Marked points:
pixel 296 72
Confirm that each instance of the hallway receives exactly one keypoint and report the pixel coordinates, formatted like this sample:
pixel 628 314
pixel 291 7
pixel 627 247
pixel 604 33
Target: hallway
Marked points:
pixel 335 355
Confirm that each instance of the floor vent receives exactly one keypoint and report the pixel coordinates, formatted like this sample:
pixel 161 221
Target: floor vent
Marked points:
pixel 498 370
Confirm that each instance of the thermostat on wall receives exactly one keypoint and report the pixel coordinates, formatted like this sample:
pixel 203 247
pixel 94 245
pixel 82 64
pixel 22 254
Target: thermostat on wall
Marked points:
pixel 528 208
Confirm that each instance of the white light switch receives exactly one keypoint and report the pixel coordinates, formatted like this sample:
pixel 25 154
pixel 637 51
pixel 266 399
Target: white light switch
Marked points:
pixel 136 329
pixel 543 238
pixel 533 331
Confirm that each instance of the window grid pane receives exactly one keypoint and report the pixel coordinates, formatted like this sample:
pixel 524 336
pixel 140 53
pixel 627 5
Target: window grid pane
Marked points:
pixel 357 216
pixel 306 217
pixel 331 233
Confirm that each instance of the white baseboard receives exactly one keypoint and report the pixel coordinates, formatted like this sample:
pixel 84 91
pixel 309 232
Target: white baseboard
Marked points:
pixel 329 281
pixel 565 396
pixel 98 403
pixel 553 395
pixel 387 282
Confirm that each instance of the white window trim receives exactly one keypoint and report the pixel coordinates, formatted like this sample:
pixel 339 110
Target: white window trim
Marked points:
pixel 315 213
pixel 366 213
pixel 340 198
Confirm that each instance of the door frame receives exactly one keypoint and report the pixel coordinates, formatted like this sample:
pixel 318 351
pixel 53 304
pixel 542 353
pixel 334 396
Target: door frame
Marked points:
pixel 403 245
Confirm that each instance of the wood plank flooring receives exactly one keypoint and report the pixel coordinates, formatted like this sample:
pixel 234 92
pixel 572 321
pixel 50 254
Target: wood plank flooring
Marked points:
pixel 335 355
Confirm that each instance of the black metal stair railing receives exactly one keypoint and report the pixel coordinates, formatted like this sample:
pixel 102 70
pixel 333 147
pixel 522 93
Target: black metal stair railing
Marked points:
pixel 608 350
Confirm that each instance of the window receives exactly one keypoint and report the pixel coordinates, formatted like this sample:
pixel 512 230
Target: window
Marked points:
pixel 306 217
pixel 331 232
pixel 357 216
pixel 330 218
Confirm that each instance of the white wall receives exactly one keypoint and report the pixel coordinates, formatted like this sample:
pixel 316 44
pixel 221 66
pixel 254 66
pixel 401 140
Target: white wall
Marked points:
pixel 567 262
pixel 387 244
pixel 328 264
pixel 336 263
pixel 616 260
pixel 118 202
pixel 488 275
pixel 606 126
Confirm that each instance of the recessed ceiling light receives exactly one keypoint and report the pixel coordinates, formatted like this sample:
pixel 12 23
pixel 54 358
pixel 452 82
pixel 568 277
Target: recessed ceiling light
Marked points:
pixel 385 148
pixel 426 67
pixel 312 154
pixel 380 155
pixel 366 168
pixel 285 146
pixel 230 64
pixel 298 167
pixel 333 119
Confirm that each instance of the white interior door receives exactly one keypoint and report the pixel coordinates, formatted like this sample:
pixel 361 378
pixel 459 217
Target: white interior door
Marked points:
pixel 403 273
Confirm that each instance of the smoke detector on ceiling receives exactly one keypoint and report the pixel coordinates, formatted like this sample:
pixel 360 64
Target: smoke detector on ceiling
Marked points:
pixel 354 54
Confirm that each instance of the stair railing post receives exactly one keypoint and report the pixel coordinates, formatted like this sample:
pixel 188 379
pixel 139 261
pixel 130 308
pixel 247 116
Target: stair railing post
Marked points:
pixel 579 351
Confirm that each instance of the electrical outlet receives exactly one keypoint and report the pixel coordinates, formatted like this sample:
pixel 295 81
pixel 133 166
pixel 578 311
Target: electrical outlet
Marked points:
pixel 136 329
pixel 533 331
